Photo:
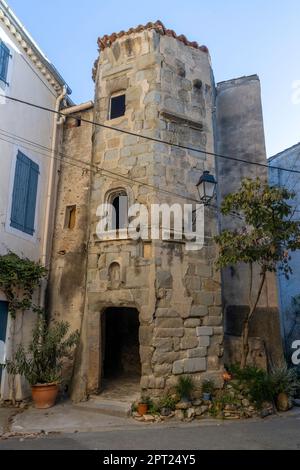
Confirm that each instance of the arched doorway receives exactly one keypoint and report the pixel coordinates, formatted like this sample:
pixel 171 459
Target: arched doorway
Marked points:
pixel 121 364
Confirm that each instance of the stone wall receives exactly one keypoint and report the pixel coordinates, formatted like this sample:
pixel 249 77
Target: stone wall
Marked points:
pixel 67 279
pixel 240 134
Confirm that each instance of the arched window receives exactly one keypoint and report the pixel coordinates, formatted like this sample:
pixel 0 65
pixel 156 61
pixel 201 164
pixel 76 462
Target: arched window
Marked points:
pixel 119 202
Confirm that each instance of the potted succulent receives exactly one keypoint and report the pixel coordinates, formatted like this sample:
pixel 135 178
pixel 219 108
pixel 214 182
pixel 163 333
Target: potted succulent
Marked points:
pixel 208 388
pixel 143 406
pixel 185 387
pixel 41 362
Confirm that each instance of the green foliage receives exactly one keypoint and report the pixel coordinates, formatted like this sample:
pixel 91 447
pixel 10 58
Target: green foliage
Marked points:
pixel 42 361
pixel 246 374
pixel 257 381
pixel 222 399
pixel 263 386
pixel 285 380
pixel 185 386
pixel 268 231
pixel 134 408
pixel 153 408
pixel 18 279
pixel 168 402
pixel 145 400
pixel 208 386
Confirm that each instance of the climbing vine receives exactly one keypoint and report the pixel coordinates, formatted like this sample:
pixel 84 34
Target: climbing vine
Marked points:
pixel 18 279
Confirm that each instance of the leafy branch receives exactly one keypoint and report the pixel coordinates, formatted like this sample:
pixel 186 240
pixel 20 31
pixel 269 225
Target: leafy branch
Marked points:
pixel 18 279
pixel 266 239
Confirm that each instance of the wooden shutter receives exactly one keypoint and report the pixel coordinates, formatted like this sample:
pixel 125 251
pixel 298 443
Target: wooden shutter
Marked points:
pixel 4 60
pixel 24 194
pixel 31 198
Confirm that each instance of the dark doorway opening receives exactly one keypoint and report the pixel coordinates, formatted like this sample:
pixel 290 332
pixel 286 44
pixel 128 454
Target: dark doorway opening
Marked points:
pixel 121 356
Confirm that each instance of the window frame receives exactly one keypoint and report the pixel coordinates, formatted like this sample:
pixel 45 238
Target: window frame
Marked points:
pixel 116 95
pixel 70 217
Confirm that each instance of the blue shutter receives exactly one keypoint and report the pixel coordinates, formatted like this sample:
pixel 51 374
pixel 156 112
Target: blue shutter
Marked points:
pixel 24 194
pixel 4 61
pixel 18 212
pixel 3 325
pixel 31 198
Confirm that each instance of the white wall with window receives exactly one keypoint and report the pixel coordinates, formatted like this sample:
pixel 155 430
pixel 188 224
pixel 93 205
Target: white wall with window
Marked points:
pixel 27 135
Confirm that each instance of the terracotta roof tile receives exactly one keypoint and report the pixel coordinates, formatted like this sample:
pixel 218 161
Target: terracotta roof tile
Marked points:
pixel 108 40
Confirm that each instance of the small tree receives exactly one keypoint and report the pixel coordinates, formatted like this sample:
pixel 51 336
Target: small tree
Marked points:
pixel 265 239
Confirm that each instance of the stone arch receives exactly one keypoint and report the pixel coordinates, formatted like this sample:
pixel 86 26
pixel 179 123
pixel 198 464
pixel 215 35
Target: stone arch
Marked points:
pixel 114 275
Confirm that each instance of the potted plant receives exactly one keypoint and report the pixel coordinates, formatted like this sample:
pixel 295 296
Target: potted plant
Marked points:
pixel 185 387
pixel 41 362
pixel 208 388
pixel 143 406
pixel 285 383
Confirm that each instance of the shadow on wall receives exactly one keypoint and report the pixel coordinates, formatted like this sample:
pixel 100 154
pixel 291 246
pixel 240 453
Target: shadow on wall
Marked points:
pixel 265 336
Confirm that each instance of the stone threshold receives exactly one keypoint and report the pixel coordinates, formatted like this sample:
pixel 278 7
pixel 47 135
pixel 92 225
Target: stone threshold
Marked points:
pixel 97 404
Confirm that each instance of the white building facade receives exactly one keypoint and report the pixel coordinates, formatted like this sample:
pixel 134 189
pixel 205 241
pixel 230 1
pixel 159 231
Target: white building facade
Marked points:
pixel 28 164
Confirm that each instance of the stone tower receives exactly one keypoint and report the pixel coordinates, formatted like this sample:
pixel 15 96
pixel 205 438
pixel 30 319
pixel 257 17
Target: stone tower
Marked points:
pixel 149 310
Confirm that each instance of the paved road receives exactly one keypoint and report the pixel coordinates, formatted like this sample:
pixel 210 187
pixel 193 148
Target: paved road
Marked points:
pixel 273 433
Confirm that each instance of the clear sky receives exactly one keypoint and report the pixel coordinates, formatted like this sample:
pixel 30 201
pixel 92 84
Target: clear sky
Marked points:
pixel 243 36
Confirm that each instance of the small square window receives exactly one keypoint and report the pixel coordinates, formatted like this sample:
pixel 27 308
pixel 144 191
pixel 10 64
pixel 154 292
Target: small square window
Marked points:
pixel 70 219
pixel 117 106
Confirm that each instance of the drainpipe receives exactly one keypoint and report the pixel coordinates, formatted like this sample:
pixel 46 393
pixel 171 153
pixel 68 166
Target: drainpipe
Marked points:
pixel 57 121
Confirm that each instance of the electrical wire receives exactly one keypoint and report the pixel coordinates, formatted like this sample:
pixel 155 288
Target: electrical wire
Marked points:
pixel 153 139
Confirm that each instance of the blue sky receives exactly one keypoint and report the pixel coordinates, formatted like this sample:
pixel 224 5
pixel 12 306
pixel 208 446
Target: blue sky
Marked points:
pixel 243 36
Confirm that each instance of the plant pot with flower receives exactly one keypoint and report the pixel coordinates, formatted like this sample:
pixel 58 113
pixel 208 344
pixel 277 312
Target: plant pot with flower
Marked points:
pixel 143 406
pixel 41 363
pixel 208 388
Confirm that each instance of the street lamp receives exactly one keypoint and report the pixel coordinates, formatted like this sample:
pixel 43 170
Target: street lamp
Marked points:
pixel 206 187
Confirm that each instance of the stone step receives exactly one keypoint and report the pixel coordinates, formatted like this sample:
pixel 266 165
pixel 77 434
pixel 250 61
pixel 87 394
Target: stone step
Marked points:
pixel 107 407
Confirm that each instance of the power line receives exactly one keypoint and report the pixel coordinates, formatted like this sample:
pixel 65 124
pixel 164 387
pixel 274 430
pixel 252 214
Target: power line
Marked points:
pixel 96 170
pixel 153 139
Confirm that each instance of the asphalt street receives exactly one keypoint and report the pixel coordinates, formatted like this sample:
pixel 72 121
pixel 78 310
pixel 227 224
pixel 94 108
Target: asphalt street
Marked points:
pixel 273 433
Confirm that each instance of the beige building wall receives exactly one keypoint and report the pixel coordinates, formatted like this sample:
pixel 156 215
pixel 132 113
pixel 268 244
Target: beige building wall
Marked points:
pixel 31 78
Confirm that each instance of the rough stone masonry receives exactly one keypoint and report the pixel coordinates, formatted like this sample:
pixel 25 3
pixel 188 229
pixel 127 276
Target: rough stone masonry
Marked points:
pixel 170 95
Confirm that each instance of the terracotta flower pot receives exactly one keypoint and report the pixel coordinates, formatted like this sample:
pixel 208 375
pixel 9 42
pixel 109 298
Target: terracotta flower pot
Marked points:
pixel 142 409
pixel 283 402
pixel 44 395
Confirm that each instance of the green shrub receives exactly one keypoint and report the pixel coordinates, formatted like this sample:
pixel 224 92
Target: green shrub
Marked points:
pixel 247 373
pixel 185 386
pixel 257 381
pixel 168 402
pixel 42 361
pixel 263 386
pixel 145 400
pixel 284 380
pixel 208 386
